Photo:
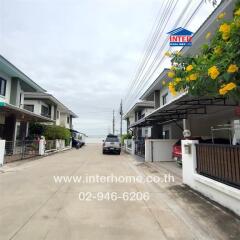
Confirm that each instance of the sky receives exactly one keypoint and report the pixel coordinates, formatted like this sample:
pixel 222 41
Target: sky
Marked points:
pixel 84 52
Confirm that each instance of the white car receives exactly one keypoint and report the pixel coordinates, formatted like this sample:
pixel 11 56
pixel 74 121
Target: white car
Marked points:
pixel 111 145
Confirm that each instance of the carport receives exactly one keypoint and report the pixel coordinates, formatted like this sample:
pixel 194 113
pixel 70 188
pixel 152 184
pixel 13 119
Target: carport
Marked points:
pixel 199 115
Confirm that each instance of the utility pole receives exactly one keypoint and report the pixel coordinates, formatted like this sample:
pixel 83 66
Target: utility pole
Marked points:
pixel 121 115
pixel 113 123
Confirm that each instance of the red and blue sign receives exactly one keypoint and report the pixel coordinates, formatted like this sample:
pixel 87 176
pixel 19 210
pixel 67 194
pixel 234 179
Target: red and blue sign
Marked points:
pixel 180 37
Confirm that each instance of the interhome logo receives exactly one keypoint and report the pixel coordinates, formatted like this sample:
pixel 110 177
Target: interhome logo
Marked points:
pixel 180 37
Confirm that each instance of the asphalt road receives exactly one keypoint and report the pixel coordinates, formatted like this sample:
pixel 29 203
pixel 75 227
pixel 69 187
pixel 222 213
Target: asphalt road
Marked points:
pixel 33 206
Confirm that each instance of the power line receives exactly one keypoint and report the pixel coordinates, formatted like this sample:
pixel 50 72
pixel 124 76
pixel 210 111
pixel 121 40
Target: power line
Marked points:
pixel 151 38
pixel 141 82
pixel 141 85
pixel 159 53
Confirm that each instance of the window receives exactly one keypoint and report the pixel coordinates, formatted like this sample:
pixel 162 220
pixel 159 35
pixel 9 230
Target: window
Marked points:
pixel 164 98
pixel 29 107
pixel 68 119
pixel 3 84
pixel 44 111
pixel 112 139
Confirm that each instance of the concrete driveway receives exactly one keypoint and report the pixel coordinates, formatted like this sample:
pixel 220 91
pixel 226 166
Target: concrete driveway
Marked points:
pixel 33 206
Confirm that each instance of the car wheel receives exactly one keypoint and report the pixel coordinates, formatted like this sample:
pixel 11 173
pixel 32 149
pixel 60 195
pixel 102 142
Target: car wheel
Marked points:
pixel 103 152
pixel 119 152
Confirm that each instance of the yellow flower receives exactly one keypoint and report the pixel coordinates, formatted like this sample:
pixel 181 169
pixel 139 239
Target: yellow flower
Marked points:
pixel 230 86
pixel 222 91
pixel 163 83
pixel 213 72
pixel 225 28
pixel 171 74
pixel 221 15
pixel 172 89
pixel 226 88
pixel 232 68
pixel 225 36
pixel 187 79
pixel 193 77
pixel 208 35
pixel 172 68
pixel 189 68
pixel 218 50
pixel 237 13
pixel 177 80
pixel 167 54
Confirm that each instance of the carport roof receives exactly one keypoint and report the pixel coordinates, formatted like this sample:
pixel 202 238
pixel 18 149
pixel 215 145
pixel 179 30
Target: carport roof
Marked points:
pixel 180 108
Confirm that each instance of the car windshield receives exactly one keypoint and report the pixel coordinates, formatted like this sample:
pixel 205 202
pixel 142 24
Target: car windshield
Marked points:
pixel 112 139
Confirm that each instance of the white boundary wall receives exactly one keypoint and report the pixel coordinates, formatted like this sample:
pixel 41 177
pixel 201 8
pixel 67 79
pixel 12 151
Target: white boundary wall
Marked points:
pixel 129 146
pixel 2 151
pixel 159 150
pixel 225 195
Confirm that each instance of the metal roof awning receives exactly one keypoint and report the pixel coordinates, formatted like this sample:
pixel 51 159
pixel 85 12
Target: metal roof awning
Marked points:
pixel 22 114
pixel 181 107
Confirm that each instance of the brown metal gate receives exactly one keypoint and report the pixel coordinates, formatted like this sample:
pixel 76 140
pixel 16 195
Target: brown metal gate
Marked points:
pixel 219 162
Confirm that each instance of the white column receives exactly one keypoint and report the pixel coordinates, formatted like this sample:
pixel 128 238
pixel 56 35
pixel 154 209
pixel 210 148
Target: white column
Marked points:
pixel 2 151
pixel 189 161
pixel 148 150
pixel 41 147
pixel 133 147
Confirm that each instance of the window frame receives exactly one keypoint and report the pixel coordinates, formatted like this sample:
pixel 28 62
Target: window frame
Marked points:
pixel 5 86
pixel 29 105
pixel 164 99
pixel 43 113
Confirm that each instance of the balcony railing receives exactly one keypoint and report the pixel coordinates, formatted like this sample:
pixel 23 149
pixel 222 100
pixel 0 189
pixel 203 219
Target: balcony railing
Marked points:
pixel 219 162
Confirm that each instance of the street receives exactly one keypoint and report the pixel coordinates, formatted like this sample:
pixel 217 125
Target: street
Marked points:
pixel 34 206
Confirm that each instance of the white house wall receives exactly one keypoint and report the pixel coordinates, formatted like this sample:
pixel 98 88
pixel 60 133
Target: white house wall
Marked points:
pixel 170 97
pixel 37 105
pixel 63 120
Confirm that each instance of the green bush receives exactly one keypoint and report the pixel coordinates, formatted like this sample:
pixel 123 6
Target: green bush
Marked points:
pixel 51 132
pixel 126 136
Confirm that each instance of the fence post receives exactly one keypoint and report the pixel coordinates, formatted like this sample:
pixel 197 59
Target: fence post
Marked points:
pixel 2 151
pixel 41 147
pixel 133 147
pixel 189 161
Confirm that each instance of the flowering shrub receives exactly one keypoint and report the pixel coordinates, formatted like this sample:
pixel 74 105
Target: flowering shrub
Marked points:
pixel 215 70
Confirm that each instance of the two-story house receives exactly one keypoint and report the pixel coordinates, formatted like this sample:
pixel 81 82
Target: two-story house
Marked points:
pixel 14 118
pixel 136 114
pixel 47 105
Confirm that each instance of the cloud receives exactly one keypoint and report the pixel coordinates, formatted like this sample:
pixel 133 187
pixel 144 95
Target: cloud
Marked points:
pixel 84 52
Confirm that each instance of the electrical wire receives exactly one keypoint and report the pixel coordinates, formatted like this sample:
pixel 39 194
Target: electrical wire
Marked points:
pixel 143 80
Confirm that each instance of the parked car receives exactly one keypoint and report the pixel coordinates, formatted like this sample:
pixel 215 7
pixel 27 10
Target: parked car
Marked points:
pixel 111 145
pixel 177 148
pixel 77 143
